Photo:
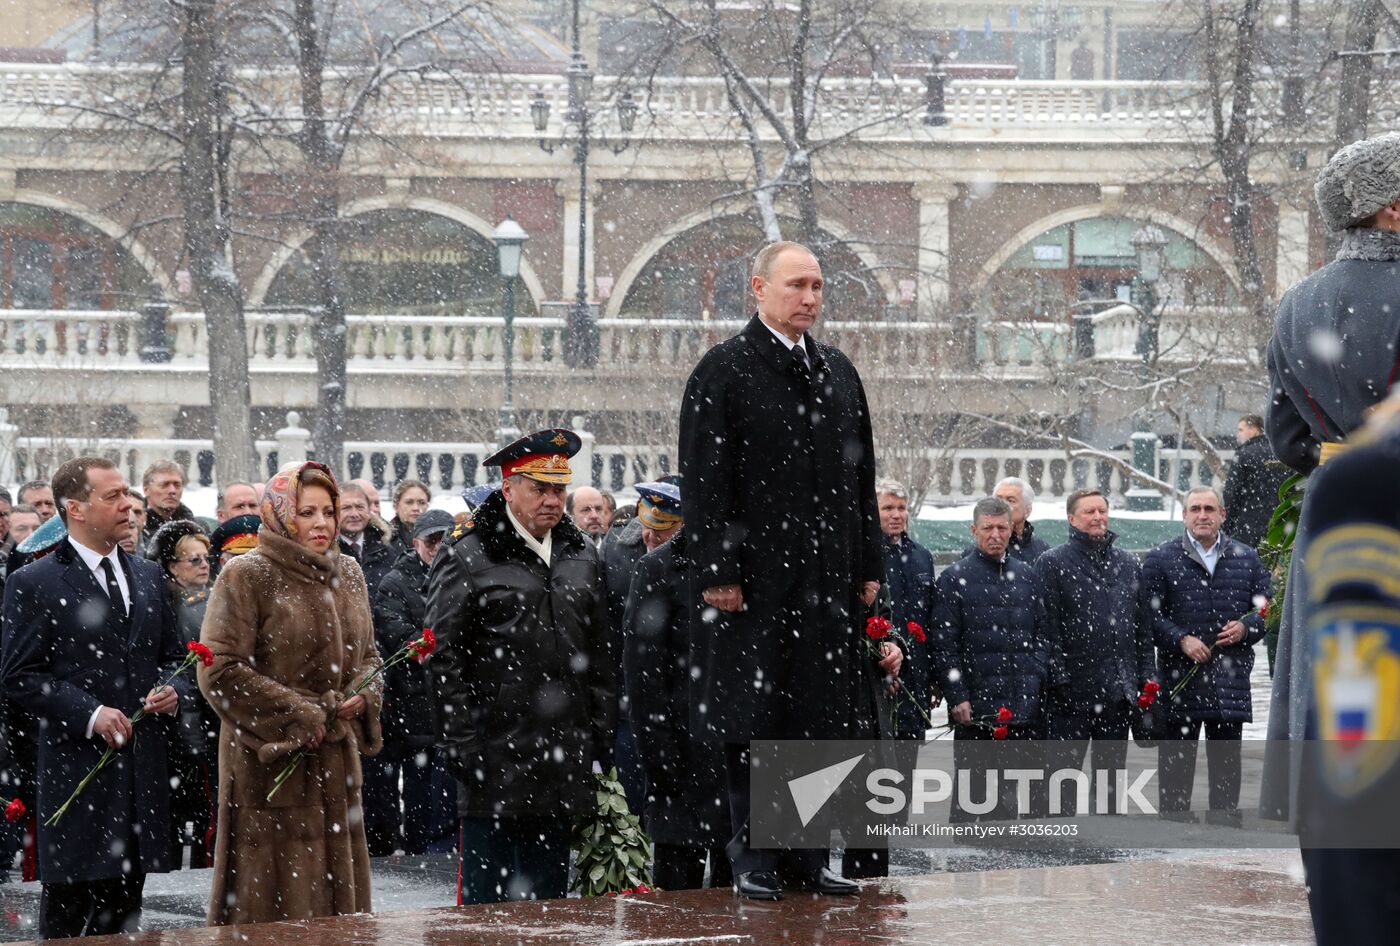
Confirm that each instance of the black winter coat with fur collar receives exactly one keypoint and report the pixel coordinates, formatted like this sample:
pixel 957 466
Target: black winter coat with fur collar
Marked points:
pixel 522 677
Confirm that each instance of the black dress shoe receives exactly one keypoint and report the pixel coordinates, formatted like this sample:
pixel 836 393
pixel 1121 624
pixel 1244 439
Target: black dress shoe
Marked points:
pixel 758 885
pixel 826 882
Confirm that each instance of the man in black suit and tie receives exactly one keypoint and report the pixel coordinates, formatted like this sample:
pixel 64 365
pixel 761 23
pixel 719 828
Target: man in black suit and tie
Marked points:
pixel 88 635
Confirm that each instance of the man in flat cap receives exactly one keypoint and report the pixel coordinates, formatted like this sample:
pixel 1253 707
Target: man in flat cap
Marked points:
pixel 1334 355
pixel 522 677
pixel 778 462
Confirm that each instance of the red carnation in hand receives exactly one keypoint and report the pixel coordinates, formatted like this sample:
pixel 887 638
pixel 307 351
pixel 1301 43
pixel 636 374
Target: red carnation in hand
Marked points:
pixel 1000 732
pixel 205 655
pixel 877 628
pixel 14 811
pixel 1152 687
pixel 917 632
pixel 1146 699
pixel 1003 715
pixel 425 645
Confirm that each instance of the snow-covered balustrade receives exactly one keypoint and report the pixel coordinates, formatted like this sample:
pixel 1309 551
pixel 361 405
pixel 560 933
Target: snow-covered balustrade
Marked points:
pixel 959 476
pixel 39 336
pixel 1184 334
pixel 448 344
pixel 966 475
pixel 497 105
pixel 1022 344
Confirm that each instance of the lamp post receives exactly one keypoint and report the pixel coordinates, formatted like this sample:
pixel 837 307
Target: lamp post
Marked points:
pixel 1149 245
pixel 509 238
pixel 581 344
pixel 1051 23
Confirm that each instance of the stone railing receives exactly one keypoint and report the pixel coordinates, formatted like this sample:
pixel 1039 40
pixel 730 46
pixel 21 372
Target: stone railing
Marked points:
pixel 497 105
pixel 964 476
pixel 33 340
pixel 1184 334
pixel 957 476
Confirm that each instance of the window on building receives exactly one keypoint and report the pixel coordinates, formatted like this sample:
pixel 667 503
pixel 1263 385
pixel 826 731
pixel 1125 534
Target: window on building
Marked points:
pixel 707 270
pixel 403 262
pixel 1094 260
pixel 50 260
pixel 1157 56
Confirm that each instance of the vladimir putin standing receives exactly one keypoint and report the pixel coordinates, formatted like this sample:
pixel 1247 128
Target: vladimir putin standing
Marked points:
pixel 779 469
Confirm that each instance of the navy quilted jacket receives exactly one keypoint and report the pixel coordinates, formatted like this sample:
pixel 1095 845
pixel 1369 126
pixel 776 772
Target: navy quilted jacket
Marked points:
pixel 990 645
pixel 1186 599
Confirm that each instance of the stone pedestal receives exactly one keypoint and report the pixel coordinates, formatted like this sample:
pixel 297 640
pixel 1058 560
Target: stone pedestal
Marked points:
pixel 1146 446
pixel 292 441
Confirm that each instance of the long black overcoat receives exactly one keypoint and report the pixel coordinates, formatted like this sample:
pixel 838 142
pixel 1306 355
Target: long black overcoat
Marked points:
pixel 686 801
pixel 66 654
pixel 779 497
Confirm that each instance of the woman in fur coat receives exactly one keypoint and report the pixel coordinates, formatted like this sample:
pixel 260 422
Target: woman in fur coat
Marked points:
pixel 290 629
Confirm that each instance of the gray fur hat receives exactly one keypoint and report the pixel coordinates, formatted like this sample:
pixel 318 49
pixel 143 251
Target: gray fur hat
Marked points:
pixel 1360 179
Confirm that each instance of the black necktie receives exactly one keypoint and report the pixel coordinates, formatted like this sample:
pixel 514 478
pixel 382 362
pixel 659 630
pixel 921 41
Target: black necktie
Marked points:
pixel 803 362
pixel 114 590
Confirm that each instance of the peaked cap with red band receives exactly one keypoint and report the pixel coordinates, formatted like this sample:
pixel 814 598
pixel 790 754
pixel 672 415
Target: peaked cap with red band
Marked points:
pixel 543 455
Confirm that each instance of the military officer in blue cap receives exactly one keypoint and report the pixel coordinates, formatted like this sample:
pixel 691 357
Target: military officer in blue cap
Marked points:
pixel 686 809
pixel 522 676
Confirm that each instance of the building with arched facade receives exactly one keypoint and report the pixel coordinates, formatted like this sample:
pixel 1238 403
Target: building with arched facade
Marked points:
pixel 958 253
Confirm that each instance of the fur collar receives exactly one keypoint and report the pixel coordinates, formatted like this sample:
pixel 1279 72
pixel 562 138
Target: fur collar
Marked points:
pixel 500 541
pixel 1368 243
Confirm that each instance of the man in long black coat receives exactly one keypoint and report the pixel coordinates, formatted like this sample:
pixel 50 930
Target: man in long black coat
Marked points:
pixel 779 468
pixel 1251 489
pixel 686 811
pixel 82 653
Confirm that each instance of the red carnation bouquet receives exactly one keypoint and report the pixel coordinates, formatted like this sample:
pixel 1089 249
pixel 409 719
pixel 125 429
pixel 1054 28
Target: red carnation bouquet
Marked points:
pixel 998 723
pixel 196 652
pixel 14 810
pixel 879 629
pixel 1263 613
pixel 1148 696
pixel 414 649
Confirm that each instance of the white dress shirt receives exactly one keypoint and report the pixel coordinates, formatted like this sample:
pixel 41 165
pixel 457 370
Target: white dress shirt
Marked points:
pixel 789 343
pixel 93 560
pixel 1208 556
pixel 540 547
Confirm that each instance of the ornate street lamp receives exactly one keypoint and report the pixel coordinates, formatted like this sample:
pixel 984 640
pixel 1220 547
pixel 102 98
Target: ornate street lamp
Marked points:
pixel 1150 246
pixel 581 341
pixel 1051 22
pixel 509 238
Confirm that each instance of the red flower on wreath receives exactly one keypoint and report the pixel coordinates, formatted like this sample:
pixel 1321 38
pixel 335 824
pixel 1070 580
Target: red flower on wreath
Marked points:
pixel 1003 716
pixel 1145 700
pixel 917 632
pixel 877 628
pixel 14 811
pixel 1001 732
pixel 1152 687
pixel 205 655
pixel 1264 610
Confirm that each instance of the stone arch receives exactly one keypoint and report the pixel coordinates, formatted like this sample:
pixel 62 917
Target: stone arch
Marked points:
pixel 106 226
pixel 638 264
pixel 354 208
pixel 1218 254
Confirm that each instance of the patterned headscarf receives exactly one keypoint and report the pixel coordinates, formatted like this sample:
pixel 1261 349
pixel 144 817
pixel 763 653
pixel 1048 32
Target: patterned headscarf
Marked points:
pixel 283 493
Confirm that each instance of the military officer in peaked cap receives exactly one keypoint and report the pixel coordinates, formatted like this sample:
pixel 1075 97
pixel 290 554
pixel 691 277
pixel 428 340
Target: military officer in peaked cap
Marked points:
pixel 522 676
